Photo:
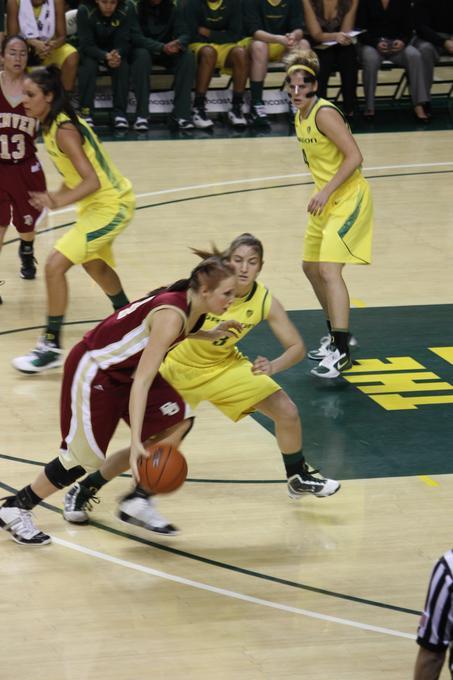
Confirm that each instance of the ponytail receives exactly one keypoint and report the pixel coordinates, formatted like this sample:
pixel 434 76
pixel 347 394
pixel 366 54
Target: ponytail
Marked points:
pixel 48 79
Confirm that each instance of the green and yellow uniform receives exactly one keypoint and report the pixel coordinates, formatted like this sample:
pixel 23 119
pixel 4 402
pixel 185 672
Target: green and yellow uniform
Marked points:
pixel 273 16
pixel 343 231
pixel 223 18
pixel 217 371
pixel 102 215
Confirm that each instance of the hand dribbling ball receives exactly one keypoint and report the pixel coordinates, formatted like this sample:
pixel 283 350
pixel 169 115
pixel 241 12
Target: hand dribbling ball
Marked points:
pixel 164 471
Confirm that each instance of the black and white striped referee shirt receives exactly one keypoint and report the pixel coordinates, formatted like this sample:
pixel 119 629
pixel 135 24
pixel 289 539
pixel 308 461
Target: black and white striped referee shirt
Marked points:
pixel 435 631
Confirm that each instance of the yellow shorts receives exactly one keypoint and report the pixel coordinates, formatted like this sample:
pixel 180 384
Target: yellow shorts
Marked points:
pixel 59 55
pixel 96 228
pixel 230 386
pixel 222 52
pixel 343 232
pixel 275 50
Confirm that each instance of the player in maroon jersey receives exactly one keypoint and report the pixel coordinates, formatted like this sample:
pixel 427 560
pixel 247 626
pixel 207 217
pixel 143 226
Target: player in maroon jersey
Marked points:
pixel 20 169
pixel 112 375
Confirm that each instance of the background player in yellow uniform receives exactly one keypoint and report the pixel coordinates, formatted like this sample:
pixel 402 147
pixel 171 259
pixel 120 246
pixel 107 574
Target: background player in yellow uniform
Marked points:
pixel 216 371
pixel 339 229
pixel 105 205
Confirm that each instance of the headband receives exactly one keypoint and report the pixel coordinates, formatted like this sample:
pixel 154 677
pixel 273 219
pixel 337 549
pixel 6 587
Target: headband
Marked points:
pixel 301 67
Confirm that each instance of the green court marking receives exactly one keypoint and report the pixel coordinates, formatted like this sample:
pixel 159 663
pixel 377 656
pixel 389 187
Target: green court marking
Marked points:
pixel 231 567
pixel 353 431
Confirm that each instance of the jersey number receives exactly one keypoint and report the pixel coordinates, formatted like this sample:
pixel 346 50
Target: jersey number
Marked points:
pixel 221 341
pixel 18 153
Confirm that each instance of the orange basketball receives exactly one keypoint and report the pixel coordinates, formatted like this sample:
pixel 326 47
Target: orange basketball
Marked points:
pixel 164 471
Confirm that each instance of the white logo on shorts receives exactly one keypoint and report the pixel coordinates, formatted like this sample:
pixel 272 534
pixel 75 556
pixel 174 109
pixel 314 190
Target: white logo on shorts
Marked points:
pixel 28 219
pixel 170 408
pixel 36 167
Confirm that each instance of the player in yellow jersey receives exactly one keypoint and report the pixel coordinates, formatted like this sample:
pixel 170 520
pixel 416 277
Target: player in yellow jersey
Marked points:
pixel 216 371
pixel 340 223
pixel 105 205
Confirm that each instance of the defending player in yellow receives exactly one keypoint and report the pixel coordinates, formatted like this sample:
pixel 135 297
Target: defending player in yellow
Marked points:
pixel 340 223
pixel 105 205
pixel 216 371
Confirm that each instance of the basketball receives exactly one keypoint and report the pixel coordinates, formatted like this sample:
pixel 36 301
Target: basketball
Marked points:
pixel 164 471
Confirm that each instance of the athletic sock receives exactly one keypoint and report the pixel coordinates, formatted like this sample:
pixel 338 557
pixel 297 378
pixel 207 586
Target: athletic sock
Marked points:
pixel 340 340
pixel 119 300
pixel 329 326
pixel 238 98
pixel 94 481
pixel 293 462
pixel 26 247
pixel 256 92
pixel 199 101
pixel 137 492
pixel 25 499
pixel 52 333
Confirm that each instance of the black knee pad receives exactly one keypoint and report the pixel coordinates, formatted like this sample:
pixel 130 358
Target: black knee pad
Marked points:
pixel 59 476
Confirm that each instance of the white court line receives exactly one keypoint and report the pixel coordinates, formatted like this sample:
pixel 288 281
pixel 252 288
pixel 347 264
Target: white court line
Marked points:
pixel 227 593
pixel 251 180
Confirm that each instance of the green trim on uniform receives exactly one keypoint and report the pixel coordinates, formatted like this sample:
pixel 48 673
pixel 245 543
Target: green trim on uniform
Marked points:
pixel 263 303
pixel 252 292
pixel 351 219
pixel 111 226
pixel 88 135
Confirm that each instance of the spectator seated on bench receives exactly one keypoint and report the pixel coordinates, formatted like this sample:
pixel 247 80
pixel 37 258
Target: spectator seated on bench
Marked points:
pixel 434 35
pixel 42 23
pixel 104 32
pixel 388 32
pixel 160 29
pixel 276 27
pixel 215 38
pixel 331 23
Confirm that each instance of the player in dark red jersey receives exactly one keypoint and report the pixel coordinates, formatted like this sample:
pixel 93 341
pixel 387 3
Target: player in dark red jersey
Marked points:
pixel 20 169
pixel 112 374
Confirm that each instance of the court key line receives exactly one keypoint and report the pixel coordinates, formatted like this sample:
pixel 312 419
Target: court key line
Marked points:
pixel 228 593
pixel 250 180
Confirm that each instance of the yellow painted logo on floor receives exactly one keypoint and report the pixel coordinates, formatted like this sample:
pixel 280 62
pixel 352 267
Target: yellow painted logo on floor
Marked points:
pixel 387 382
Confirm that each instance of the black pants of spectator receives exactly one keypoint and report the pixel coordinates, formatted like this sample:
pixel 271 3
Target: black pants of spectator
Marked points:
pixel 343 59
pixel 88 71
pixel 140 66
pixel 137 67
pixel 184 66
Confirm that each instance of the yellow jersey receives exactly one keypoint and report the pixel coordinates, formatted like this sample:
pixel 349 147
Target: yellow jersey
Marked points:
pixel 113 185
pixel 249 311
pixel 321 155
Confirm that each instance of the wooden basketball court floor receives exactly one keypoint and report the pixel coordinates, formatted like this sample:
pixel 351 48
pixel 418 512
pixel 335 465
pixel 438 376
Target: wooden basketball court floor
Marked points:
pixel 255 586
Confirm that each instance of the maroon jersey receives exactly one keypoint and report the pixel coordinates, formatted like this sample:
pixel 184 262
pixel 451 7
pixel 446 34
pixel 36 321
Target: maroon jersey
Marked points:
pixel 117 343
pixel 17 132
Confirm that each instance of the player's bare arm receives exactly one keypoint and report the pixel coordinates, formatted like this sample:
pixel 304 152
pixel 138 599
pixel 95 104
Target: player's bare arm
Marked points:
pixel 331 124
pixel 288 336
pixel 166 327
pixel 70 143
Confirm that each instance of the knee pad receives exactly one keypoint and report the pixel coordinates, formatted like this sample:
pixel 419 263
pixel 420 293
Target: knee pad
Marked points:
pixel 59 476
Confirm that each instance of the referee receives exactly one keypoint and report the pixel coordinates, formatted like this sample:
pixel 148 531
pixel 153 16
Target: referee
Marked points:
pixel 435 631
